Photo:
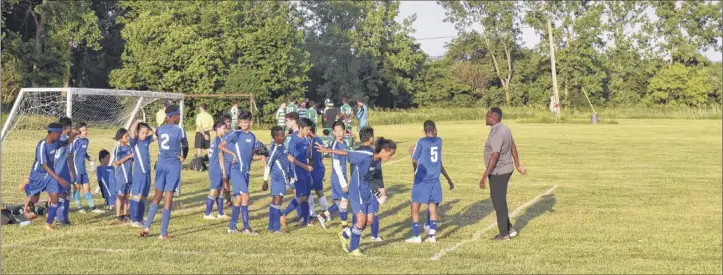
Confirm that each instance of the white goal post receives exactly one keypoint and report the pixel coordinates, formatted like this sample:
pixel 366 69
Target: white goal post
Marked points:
pixel 103 110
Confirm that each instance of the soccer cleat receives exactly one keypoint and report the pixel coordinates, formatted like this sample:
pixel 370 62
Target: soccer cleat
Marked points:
pixel 249 232
pixel 426 229
pixel 233 231
pixel 163 238
pixel 222 217
pixel 415 239
pixel 136 224
pixel 327 214
pixel 82 211
pixel 209 217
pixel 431 239
pixel 513 232
pixel 97 210
pixel 282 221
pixel 344 244
pixel 499 237
pixel 143 233
pixel 322 221
pixel 356 253
pixel 377 239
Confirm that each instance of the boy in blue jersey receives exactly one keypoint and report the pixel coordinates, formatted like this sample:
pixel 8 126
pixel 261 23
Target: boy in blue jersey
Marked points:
pixel 339 182
pixel 361 196
pixel 105 174
pixel 299 152
pixel 123 160
pixel 79 148
pixel 277 170
pixel 141 137
pixel 65 168
pixel 427 162
pixel 241 143
pixel 317 181
pixel 172 150
pixel 43 176
pixel 217 173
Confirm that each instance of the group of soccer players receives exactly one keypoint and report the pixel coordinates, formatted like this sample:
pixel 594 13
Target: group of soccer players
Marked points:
pixel 294 162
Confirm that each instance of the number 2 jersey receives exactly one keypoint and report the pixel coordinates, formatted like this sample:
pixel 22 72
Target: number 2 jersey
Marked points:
pixel 428 154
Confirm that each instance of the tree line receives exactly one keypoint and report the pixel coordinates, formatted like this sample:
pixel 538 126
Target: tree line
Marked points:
pixel 621 53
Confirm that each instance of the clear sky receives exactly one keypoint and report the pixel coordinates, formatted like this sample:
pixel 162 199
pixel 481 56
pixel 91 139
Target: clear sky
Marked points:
pixel 430 24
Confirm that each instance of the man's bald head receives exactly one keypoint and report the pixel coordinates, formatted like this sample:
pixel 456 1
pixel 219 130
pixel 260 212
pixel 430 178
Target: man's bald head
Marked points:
pixel 494 116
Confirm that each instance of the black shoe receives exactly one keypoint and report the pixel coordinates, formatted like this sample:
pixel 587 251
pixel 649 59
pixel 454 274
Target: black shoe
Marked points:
pixel 499 237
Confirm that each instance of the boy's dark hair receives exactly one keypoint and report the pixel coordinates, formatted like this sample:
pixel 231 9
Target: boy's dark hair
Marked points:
pixel 326 132
pixel 203 106
pixel 65 121
pixel 54 125
pixel 102 154
pixel 171 109
pixel 245 116
pixel 429 126
pixel 166 104
pixel 383 143
pixel 80 125
pixel 120 133
pixel 338 123
pixel 218 124
pixel 142 125
pixel 304 122
pixel 311 104
pixel 225 117
pixel 366 134
pixel 276 130
pixel 292 115
pixel 497 111
pixel 292 99
pixel 344 99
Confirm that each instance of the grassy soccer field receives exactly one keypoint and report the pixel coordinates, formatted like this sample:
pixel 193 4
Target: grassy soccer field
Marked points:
pixel 641 196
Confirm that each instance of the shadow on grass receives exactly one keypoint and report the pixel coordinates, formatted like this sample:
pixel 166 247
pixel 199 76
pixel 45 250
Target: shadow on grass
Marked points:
pixel 541 207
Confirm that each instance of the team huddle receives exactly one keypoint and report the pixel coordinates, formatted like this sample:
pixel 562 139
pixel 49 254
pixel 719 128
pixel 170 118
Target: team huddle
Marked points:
pixel 293 162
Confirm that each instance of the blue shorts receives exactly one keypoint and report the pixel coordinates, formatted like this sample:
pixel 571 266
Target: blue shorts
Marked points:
pixel 215 177
pixel 317 180
pixel 278 186
pixel 54 186
pixel 123 186
pixel 141 184
pixel 337 193
pixel 81 178
pixel 227 167
pixel 370 206
pixel 37 183
pixel 168 176
pixel 303 186
pixel 427 192
pixel 239 182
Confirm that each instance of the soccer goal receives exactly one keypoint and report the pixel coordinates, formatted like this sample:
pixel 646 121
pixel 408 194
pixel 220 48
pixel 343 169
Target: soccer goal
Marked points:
pixel 104 110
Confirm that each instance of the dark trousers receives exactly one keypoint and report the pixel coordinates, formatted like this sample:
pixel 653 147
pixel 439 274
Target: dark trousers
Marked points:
pixel 498 193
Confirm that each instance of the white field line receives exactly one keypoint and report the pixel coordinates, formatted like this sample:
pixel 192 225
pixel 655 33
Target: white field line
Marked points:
pixel 489 227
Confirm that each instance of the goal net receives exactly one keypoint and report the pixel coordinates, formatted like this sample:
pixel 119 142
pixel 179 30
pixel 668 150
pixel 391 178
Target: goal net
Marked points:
pixel 104 110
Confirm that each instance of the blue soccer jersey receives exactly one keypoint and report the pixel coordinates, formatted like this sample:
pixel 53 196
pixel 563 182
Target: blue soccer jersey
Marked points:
pixel 428 154
pixel 242 145
pixel 338 175
pixel 317 158
pixel 79 147
pixel 278 163
pixel 106 180
pixel 214 165
pixel 123 171
pixel 299 149
pixel 141 154
pixel 44 154
pixel 62 151
pixel 170 138
pixel 361 161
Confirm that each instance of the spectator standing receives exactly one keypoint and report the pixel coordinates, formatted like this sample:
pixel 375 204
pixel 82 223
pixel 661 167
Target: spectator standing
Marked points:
pixel 204 123
pixel 281 116
pixel 234 116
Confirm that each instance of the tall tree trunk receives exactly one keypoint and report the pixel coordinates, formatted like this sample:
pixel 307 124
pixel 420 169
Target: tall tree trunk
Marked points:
pixel 38 19
pixel 70 64
pixel 505 81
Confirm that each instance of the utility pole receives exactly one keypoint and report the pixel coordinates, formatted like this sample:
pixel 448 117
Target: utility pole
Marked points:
pixel 554 71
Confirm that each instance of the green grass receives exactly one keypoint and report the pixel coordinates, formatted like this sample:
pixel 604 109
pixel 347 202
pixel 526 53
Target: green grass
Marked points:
pixel 641 196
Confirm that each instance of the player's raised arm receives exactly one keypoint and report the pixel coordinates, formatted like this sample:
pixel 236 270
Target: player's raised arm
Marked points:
pixel 132 131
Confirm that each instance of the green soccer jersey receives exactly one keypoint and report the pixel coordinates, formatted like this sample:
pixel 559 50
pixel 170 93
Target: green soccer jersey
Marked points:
pixel 347 113
pixel 311 114
pixel 292 108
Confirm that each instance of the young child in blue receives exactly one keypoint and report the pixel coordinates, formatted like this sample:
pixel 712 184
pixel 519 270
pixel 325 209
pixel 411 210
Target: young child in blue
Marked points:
pixel 339 180
pixel 43 176
pixel 172 150
pixel 299 153
pixel 277 170
pixel 141 137
pixel 317 181
pixel 64 167
pixel 79 148
pixel 217 173
pixel 362 198
pixel 241 143
pixel 427 163
pixel 105 174
pixel 123 160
